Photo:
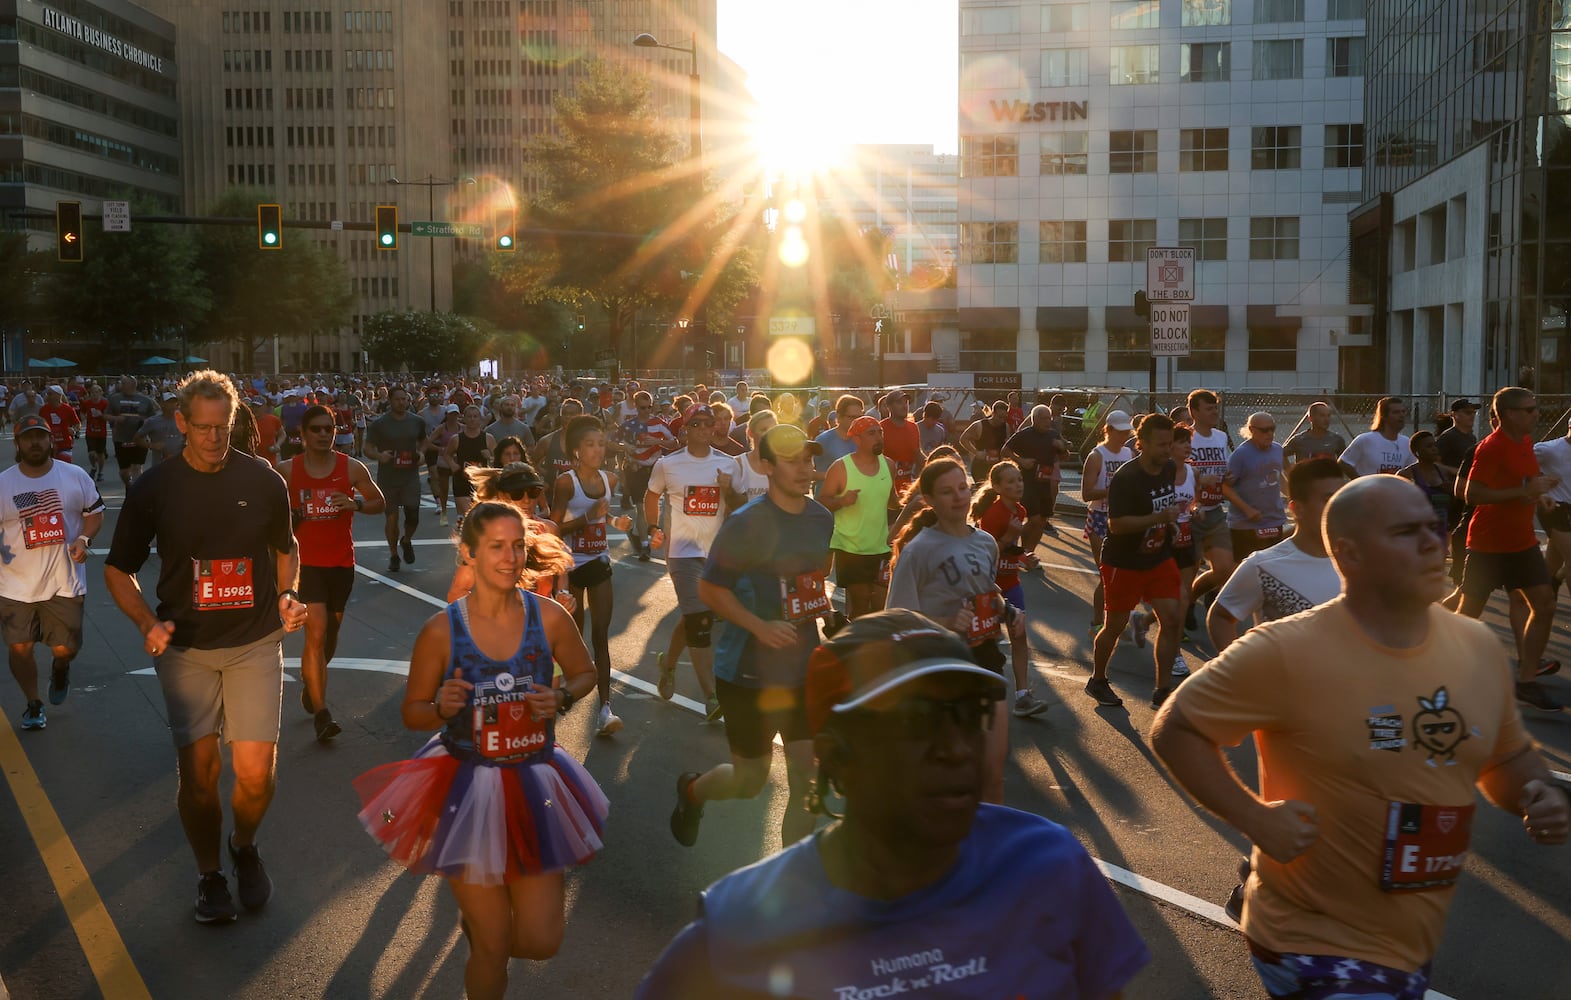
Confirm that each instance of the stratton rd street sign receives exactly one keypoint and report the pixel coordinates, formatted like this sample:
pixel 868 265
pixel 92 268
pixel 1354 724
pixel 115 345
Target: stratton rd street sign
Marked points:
pixel 466 230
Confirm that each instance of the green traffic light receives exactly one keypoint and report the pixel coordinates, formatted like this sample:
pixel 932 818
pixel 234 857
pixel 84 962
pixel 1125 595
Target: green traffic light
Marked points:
pixel 387 239
pixel 505 241
pixel 269 238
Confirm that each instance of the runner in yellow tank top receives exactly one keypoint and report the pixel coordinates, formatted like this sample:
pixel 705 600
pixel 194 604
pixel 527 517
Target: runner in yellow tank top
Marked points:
pixel 858 489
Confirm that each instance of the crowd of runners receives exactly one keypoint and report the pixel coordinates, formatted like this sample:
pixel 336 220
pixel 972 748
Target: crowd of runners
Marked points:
pixel 847 572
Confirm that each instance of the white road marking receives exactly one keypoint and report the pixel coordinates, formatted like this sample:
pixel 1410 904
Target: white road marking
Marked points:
pixel 398 668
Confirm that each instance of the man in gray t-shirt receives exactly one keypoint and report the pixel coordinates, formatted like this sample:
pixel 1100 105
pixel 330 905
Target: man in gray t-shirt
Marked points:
pixel 394 440
pixel 1253 488
pixel 1318 440
pixel 507 423
pixel 159 434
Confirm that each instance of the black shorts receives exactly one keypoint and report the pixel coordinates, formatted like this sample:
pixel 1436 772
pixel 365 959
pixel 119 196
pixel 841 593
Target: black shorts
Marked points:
pixel 754 715
pixel 590 574
pixel 852 569
pixel 1248 540
pixel 97 446
pixel 1557 518
pixel 1038 499
pixel 462 487
pixel 1485 572
pixel 989 655
pixel 329 585
pixel 130 454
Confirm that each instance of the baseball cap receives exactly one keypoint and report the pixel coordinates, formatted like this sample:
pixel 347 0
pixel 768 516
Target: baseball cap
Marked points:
pixel 1463 404
pixel 29 423
pixel 56 388
pixel 170 395
pixel 877 653
pixel 519 477
pixel 861 425
pixel 698 410
pixel 786 441
pixel 450 408
pixel 1120 421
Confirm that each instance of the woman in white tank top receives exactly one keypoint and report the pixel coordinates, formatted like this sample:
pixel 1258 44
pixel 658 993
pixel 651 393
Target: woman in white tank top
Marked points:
pixel 1105 459
pixel 753 482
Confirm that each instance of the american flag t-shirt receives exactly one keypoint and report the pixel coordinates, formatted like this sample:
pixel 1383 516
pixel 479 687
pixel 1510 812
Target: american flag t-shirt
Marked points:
pixel 42 517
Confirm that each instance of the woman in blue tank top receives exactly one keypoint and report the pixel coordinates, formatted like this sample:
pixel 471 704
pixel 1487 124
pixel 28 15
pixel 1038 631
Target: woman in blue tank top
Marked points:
pixel 491 803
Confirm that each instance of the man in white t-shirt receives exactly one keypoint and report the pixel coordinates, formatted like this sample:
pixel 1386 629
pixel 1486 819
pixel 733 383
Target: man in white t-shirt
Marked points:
pixel 1210 450
pixel 49 513
pixel 1554 460
pixel 697 485
pixel 1291 576
pixel 740 402
pixel 1382 448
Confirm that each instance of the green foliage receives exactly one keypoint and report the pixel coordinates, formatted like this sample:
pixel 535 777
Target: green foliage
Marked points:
pixel 422 341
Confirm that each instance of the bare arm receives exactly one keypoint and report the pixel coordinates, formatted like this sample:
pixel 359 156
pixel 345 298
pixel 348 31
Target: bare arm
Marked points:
pixel 1221 626
pixel 371 499
pixel 1090 474
pixel 833 495
pixel 126 591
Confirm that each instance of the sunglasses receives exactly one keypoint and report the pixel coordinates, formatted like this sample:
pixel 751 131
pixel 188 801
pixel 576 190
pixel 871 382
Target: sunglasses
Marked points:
pixel 919 719
pixel 700 423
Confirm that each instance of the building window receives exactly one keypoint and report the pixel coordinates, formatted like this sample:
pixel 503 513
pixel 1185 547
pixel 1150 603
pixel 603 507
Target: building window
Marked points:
pixel 1200 13
pixel 1279 11
pixel 1062 351
pixel 1129 14
pixel 988 350
pixel 1202 149
pixel 1205 62
pixel 1131 152
pixel 1490 49
pixel 1128 239
pixel 1066 68
pixel 989 156
pixel 1279 60
pixel 1064 152
pixel 1276 147
pixel 1273 349
pixel 1133 64
pixel 1058 18
pixel 1128 350
pixel 1273 237
pixel 993 21
pixel 1345 10
pixel 1207 236
pixel 1345 56
pixel 1345 145
pixel 989 242
pixel 1062 242
pixel 1207 350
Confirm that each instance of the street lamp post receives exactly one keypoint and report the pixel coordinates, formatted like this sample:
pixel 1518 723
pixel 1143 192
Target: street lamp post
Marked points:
pixel 695 137
pixel 430 183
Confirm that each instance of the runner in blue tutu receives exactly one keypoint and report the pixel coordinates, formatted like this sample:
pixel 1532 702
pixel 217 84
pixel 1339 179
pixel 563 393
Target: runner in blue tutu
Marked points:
pixel 491 803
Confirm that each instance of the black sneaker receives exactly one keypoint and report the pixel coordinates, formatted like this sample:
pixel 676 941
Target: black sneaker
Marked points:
pixel 1533 694
pixel 305 699
pixel 1235 905
pixel 1545 668
pixel 687 814
pixel 214 905
pixel 392 563
pixel 59 685
pixel 643 555
pixel 326 728
pixel 408 546
pixel 250 876
pixel 1160 695
pixel 1102 691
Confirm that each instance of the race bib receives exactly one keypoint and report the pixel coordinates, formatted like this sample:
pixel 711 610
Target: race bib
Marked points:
pixel 42 530
pixel 1011 565
pixel 885 566
pixel 1182 538
pixel 590 539
pixel 504 725
pixel 1208 496
pixel 403 460
pixel 1044 472
pixel 1425 846
pixel 993 454
pixel 1154 538
pixel 701 501
pixel 222 583
pixel 317 505
pixel 1269 534
pixel 987 618
pixel 803 597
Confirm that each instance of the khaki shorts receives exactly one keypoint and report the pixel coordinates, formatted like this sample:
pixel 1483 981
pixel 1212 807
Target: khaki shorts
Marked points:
pixel 238 691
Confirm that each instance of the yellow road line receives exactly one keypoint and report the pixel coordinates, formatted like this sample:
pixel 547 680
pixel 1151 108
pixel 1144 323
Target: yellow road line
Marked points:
pixel 101 943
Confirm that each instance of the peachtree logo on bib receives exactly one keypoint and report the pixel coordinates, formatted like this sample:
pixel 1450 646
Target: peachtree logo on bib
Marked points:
pixel 504 682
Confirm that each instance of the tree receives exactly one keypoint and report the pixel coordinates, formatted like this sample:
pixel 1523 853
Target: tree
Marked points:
pixel 616 169
pixel 423 341
pixel 291 292
pixel 523 325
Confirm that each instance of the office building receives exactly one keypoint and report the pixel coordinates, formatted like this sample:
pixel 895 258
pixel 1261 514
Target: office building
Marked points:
pixel 908 192
pixel 1092 131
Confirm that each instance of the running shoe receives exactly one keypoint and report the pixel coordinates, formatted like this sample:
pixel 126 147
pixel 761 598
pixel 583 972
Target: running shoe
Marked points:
pixel 1235 905
pixel 1159 696
pixel 250 875
pixel 59 685
pixel 1103 692
pixel 408 545
pixel 687 814
pixel 715 713
pixel 1546 667
pixel 1532 693
pixel 609 724
pixel 441 517
pixel 1180 667
pixel 1139 623
pixel 1048 529
pixel 392 563
pixel 34 717
pixel 666 685
pixel 1028 704
pixel 214 905
pixel 326 727
pixel 643 554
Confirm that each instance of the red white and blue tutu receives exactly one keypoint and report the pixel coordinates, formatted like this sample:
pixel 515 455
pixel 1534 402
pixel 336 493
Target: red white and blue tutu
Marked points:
pixel 483 823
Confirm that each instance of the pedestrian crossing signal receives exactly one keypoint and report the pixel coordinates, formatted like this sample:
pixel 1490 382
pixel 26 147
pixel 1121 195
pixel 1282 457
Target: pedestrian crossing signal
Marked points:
pixel 68 231
pixel 387 227
pixel 269 227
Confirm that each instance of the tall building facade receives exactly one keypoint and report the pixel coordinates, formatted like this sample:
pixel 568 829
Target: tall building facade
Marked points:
pixel 88 108
pixel 1092 131
pixel 909 192
pixel 333 107
pixel 1463 244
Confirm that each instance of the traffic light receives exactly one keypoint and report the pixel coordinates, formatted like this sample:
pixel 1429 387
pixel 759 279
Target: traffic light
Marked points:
pixel 387 227
pixel 269 227
pixel 68 231
pixel 580 322
pixel 1142 306
pixel 503 230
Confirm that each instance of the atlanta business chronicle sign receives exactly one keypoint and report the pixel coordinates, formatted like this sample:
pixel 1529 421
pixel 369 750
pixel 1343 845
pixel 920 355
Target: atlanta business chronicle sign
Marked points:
pixel 1039 111
pixel 89 35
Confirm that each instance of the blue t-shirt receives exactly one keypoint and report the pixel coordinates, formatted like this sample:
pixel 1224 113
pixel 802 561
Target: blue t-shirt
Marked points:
pixel 1023 913
pixel 1255 474
pixel 774 562
pixel 835 448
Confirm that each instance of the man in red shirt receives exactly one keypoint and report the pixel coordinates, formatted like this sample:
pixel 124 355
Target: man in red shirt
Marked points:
pixel 1503 486
pixel 902 441
pixel 62 420
pixel 96 429
pixel 269 431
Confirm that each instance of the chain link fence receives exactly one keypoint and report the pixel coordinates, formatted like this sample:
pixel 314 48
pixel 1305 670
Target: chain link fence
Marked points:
pixel 1353 413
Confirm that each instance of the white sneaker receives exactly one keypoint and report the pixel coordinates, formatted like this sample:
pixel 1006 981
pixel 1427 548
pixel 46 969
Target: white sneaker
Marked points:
pixel 1180 666
pixel 441 517
pixel 609 723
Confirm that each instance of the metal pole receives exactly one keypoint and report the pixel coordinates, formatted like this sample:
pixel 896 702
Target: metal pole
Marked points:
pixel 430 213
pixel 696 146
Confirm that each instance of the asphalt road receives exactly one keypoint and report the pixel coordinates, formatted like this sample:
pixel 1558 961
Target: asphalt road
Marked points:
pixel 346 923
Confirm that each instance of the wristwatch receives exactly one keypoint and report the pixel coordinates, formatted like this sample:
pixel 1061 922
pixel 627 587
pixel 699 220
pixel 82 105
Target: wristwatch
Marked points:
pixel 567 700
pixel 359 503
pixel 292 594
